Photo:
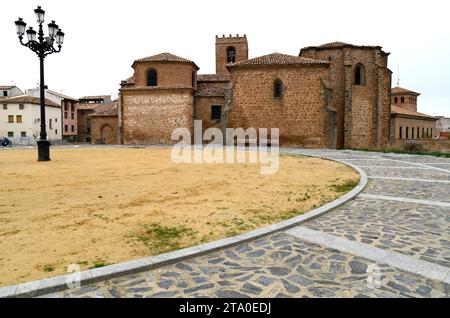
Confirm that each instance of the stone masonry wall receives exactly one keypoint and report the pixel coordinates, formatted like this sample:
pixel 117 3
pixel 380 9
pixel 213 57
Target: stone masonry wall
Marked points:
pixel 104 130
pixel 150 116
pixel 300 114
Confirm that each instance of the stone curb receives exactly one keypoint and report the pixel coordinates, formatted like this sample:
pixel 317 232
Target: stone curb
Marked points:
pixel 60 283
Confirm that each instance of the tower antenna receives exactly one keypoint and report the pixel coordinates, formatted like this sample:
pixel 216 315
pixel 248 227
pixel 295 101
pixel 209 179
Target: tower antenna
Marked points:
pixel 398 74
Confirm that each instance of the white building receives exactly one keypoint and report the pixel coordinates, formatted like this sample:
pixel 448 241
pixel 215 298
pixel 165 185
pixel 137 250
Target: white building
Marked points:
pixel 9 91
pixel 20 119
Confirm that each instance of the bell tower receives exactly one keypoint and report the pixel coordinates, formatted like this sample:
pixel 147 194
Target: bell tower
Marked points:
pixel 230 49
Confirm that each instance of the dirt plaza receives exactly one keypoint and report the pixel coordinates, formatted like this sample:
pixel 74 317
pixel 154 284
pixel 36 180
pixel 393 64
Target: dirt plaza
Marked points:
pixel 102 205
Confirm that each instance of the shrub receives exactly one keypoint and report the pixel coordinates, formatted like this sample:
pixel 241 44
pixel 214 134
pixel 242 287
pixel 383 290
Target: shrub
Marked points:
pixel 411 146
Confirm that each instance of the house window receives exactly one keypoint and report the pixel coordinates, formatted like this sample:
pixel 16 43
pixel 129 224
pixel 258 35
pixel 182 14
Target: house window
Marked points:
pixel 360 74
pixel 400 133
pixel 72 128
pixel 72 108
pixel 65 115
pixel 11 134
pixel 277 89
pixel 50 124
pixel 418 131
pixel 23 134
pixel 231 55
pixel 431 132
pixel 412 133
pixel 395 100
pixel 10 118
pixel 72 115
pixel 423 132
pixel 407 133
pixel 216 112
pixel 56 131
pixel 66 128
pixel 5 93
pixel 5 106
pixel 56 120
pixel 66 108
pixel 21 106
pixel 152 78
pixel 19 119
pixel 402 100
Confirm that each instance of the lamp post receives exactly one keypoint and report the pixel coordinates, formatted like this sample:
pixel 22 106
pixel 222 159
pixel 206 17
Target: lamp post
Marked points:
pixel 42 46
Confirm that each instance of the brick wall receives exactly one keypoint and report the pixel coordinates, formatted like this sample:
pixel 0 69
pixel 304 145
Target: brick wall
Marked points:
pixel 300 114
pixel 202 110
pixel 104 129
pixel 169 74
pixel 222 43
pixel 150 115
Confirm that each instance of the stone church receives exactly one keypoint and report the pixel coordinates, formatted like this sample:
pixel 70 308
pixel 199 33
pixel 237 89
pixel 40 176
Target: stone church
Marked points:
pixel 335 95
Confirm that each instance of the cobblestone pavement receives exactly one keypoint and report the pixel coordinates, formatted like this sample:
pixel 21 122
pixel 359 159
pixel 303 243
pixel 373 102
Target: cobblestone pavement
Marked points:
pixel 281 265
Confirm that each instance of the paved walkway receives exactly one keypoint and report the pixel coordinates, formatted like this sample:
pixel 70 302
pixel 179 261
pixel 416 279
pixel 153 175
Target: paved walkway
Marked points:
pixel 392 240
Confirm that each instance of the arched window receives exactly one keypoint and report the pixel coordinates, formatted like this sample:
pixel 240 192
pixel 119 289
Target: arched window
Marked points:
pixel 277 89
pixel 231 55
pixel 152 78
pixel 360 74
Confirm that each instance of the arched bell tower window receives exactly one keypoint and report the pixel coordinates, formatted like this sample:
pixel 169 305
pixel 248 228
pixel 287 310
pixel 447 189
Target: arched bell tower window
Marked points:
pixel 152 78
pixel 360 74
pixel 231 55
pixel 277 89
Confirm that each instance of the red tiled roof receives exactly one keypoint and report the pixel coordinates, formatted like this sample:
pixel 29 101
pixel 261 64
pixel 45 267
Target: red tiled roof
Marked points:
pixel 401 111
pixel 280 59
pixel 205 91
pixel 25 99
pixel 213 78
pixel 165 57
pixel 110 109
pixel 340 45
pixel 400 90
pixel 96 97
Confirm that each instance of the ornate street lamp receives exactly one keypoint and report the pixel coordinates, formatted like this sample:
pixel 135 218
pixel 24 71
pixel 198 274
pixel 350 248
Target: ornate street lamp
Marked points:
pixel 42 46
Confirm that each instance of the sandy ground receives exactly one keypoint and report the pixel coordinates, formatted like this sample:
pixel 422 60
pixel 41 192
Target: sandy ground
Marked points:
pixel 97 206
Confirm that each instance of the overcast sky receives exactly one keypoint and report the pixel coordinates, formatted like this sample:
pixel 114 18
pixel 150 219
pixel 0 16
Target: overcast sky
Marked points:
pixel 103 38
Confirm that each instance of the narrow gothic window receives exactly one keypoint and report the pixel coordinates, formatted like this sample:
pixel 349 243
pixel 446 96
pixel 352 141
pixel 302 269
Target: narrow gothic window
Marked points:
pixel 231 55
pixel 277 89
pixel 400 133
pixel 152 78
pixel 359 74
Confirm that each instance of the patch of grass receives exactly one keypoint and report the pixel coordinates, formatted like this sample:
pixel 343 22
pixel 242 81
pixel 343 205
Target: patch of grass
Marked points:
pixel 344 187
pixel 161 239
pixel 48 268
pixel 99 263
pixel 405 151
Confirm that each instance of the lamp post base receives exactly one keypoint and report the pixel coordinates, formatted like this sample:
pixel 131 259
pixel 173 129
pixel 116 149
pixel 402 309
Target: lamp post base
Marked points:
pixel 43 150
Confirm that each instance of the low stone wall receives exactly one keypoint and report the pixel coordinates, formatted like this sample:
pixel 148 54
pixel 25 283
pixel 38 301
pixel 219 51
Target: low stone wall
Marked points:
pixel 427 145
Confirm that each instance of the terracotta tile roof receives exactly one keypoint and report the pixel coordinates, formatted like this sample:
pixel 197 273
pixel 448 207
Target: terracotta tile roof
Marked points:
pixel 401 111
pixel 165 57
pixel 280 59
pixel 110 109
pixel 96 97
pixel 340 45
pixel 213 78
pixel 400 90
pixel 26 99
pixel 208 91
